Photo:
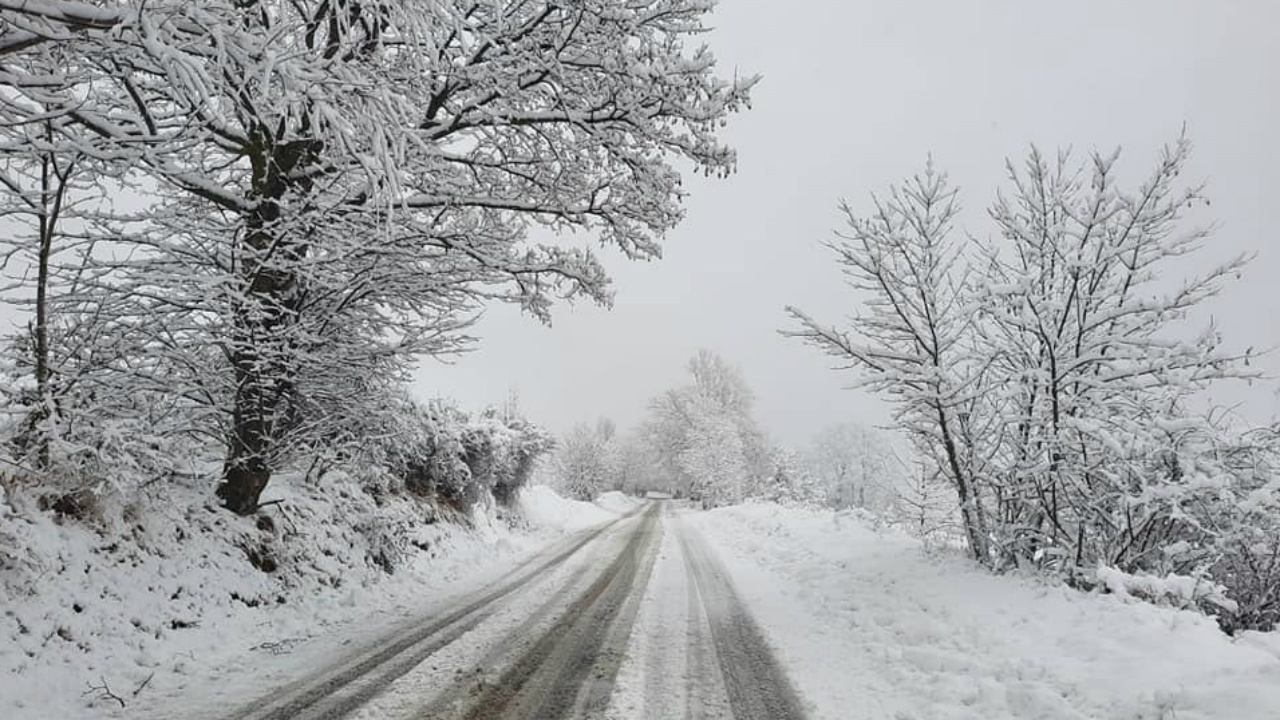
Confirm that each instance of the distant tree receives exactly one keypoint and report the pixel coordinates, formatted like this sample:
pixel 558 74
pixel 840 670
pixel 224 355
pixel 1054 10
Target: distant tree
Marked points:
pixel 584 460
pixel 791 480
pixel 637 465
pixel 705 434
pixel 856 466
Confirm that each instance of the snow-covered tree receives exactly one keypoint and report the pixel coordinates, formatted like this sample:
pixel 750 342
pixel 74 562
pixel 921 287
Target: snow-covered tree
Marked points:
pixel 1045 374
pixel 1092 372
pixel 925 505
pixel 346 181
pixel 44 190
pixel 638 465
pixel 856 466
pixel 908 338
pixel 706 435
pixel 791 480
pixel 584 461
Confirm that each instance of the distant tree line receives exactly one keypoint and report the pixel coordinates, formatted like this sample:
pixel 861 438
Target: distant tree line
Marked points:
pixel 701 441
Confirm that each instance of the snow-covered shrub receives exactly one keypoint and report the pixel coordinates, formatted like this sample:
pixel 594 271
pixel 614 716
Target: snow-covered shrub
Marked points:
pixel 791 481
pixel 426 450
pixel 436 451
pixel 12 536
pixel 1244 525
pixel 1207 527
pixel 581 461
pixel 1249 569
pixel 89 438
pixel 525 444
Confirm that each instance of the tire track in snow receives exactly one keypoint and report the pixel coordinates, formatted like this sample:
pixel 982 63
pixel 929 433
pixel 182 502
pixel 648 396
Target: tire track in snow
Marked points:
pixel 452 700
pixel 707 697
pixel 671 671
pixel 754 682
pixel 570 670
pixel 346 686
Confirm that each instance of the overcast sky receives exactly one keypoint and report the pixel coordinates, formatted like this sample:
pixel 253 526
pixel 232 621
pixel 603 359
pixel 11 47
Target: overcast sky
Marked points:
pixel 855 94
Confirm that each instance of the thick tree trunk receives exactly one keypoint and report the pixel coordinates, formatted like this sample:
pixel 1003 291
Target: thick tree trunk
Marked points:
pixel 262 354
pixel 258 354
pixel 244 477
pixel 248 466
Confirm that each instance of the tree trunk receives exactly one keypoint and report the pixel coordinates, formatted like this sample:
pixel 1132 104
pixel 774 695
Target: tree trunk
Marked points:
pixel 263 355
pixel 44 398
pixel 54 183
pixel 970 503
pixel 257 358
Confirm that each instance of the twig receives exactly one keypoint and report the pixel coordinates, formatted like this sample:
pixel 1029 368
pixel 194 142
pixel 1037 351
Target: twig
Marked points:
pixel 103 692
pixel 280 647
pixel 144 684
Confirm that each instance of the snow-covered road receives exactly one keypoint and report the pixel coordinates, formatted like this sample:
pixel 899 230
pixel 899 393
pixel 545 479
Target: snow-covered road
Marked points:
pixel 764 612
pixel 636 618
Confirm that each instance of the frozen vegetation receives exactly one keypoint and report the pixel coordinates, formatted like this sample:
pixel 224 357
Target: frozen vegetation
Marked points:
pixel 231 229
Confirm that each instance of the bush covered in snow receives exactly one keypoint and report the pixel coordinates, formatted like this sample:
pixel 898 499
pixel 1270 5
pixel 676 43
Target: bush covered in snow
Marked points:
pixel 436 451
pixel 585 461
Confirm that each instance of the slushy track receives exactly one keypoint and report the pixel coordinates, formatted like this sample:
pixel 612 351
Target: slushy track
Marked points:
pixel 570 670
pixel 347 685
pixel 551 637
pixel 755 683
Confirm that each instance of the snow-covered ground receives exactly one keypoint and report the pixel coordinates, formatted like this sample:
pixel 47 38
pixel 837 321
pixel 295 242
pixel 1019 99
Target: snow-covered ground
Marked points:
pixel 865 623
pixel 546 509
pixel 172 614
pixel 871 627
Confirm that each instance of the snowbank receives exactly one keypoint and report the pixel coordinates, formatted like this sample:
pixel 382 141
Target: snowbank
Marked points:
pixel 873 628
pixel 546 508
pixel 193 607
pixel 618 502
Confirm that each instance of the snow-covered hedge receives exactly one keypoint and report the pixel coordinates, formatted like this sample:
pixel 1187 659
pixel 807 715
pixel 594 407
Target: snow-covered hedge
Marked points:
pixel 439 452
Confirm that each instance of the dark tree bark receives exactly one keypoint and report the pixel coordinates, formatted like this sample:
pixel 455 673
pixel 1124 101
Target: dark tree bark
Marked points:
pixel 262 353
pixel 54 182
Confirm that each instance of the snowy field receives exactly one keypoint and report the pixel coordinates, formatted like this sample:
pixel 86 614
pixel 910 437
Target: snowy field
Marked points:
pixel 160 628
pixel 872 628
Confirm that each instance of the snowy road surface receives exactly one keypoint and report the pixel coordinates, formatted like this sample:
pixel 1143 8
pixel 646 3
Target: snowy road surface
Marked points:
pixel 634 619
pixel 750 612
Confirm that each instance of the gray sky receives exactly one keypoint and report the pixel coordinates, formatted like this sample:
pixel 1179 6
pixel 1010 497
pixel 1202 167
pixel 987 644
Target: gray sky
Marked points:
pixel 854 96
